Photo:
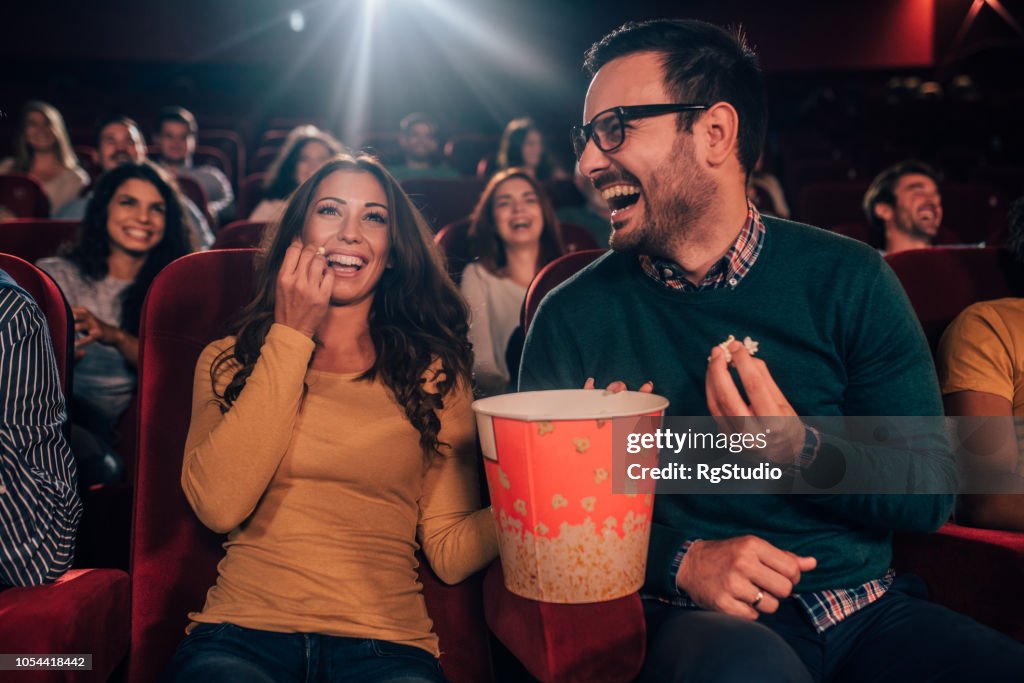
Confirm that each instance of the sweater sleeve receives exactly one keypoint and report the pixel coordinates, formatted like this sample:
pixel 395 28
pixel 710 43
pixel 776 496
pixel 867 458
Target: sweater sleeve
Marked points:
pixel 891 373
pixel 230 458
pixel 550 358
pixel 457 536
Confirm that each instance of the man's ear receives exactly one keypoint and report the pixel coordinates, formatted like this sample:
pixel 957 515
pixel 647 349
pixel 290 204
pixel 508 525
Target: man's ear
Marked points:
pixel 720 132
pixel 883 212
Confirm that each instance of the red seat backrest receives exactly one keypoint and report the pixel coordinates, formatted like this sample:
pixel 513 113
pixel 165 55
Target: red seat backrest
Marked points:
pixel 942 282
pixel 194 191
pixel 174 557
pixel 552 275
pixel 23 196
pixel 444 200
pixel 240 235
pixel 250 192
pixel 51 302
pixel 36 238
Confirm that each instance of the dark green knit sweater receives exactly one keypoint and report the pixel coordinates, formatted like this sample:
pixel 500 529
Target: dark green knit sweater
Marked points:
pixel 838 336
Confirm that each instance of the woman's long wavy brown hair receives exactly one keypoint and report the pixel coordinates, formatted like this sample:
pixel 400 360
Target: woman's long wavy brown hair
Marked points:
pixel 417 318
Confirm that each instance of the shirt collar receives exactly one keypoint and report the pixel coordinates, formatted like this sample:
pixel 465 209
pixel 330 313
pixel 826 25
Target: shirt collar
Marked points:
pixel 727 272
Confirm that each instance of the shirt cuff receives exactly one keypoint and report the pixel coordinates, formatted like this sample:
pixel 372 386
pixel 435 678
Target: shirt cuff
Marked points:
pixel 677 561
pixel 807 455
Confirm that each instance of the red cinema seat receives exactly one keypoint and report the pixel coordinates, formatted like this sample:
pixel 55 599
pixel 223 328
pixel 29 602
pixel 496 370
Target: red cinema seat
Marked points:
pixel 23 196
pixel 444 200
pixel 51 302
pixel 194 191
pixel 463 151
pixel 174 557
pixel 250 192
pixel 240 235
pixel 970 571
pixel 36 238
pixel 552 275
pixel 942 282
pixel 83 612
pixel 86 610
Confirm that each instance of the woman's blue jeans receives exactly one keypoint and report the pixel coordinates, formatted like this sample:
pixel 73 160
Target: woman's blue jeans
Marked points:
pixel 225 653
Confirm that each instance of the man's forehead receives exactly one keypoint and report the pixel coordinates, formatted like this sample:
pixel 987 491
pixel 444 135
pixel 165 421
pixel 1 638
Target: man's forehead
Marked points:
pixel 637 78
pixel 914 180
pixel 117 130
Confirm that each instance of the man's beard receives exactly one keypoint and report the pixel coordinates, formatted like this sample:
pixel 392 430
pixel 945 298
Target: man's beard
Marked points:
pixel 678 194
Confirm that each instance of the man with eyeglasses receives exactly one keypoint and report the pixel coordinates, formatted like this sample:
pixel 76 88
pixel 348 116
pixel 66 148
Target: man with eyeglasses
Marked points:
pixel 752 587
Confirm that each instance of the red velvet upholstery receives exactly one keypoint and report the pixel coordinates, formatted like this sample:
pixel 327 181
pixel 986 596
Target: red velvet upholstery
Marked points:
pixel 974 571
pixel 464 151
pixel 603 641
pixel 86 610
pixel 239 235
pixel 51 302
pixel 552 275
pixel 23 196
pixel 194 191
pixel 83 612
pixel 942 282
pixel 174 557
pixel 444 200
pixel 36 238
pixel 250 192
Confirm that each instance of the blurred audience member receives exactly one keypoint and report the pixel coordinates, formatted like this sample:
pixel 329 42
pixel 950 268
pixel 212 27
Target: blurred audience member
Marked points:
pixel 513 234
pixel 765 191
pixel 176 135
pixel 133 227
pixel 981 370
pixel 120 141
pixel 43 151
pixel 522 146
pixel 39 504
pixel 418 139
pixel 594 214
pixel 304 151
pixel 904 207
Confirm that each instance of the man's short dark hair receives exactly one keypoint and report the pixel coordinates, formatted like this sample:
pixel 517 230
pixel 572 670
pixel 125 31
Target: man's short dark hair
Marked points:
pixel 125 121
pixel 883 188
pixel 703 63
pixel 178 115
pixel 416 118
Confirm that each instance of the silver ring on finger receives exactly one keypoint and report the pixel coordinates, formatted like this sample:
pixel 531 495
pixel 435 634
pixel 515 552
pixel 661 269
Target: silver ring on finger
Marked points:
pixel 757 600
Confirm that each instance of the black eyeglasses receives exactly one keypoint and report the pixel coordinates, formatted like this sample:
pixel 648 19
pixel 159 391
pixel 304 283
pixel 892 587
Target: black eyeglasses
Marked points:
pixel 608 128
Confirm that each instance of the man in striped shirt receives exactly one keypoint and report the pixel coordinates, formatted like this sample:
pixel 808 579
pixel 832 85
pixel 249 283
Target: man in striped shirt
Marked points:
pixel 753 587
pixel 39 504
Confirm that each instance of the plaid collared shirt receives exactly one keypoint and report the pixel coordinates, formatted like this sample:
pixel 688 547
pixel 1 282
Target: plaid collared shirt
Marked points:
pixel 727 272
pixel 825 608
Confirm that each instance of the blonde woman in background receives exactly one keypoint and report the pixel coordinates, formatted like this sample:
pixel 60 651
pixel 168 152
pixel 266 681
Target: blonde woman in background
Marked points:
pixel 43 151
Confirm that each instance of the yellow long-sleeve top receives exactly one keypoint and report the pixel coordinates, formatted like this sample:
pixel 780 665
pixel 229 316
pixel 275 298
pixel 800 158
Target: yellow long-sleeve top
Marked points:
pixel 325 496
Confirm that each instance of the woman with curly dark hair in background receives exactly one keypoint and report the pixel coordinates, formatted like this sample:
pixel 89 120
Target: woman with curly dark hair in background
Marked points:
pixel 133 226
pixel 330 438
pixel 304 151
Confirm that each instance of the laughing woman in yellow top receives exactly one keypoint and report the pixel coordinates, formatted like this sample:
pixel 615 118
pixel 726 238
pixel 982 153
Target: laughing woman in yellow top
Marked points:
pixel 330 439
